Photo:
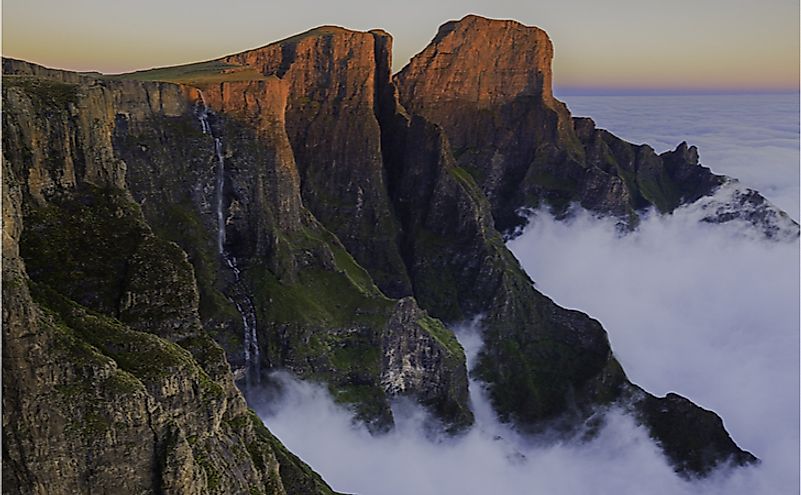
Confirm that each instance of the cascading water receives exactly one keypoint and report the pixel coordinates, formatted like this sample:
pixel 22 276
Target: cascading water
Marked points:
pixel 238 293
pixel 202 112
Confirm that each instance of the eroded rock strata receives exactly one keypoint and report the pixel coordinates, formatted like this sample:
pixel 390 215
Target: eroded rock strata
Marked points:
pixel 352 212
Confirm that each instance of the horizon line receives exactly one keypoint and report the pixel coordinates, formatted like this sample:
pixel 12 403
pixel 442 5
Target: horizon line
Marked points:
pixel 562 91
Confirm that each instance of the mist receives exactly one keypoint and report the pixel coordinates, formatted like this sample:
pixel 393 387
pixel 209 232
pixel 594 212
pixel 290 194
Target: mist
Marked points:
pixel 708 311
pixel 702 310
pixel 491 457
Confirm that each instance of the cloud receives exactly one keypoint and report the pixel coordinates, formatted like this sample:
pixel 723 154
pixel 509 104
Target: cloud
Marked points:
pixel 490 458
pixel 698 309
pixel 751 137
pixel 703 310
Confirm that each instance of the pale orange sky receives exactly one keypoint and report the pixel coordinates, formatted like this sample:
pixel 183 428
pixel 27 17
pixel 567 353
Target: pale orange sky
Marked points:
pixel 636 44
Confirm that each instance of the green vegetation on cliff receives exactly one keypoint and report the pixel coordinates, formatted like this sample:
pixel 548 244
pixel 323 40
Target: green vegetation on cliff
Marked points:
pixel 147 357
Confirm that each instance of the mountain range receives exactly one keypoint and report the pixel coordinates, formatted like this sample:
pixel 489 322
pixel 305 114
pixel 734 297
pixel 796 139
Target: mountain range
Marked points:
pixel 171 236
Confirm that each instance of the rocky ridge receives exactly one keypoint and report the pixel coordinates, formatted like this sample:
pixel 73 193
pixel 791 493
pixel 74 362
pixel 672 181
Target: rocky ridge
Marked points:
pixel 487 84
pixel 355 217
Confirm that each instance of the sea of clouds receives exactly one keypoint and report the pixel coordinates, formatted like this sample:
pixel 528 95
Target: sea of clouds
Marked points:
pixel 708 311
pixel 698 309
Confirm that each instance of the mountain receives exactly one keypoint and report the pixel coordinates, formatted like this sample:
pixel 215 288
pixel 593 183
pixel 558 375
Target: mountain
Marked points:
pixel 110 383
pixel 170 232
pixel 487 84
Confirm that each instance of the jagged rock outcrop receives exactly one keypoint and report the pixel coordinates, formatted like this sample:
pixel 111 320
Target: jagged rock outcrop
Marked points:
pixel 346 210
pixel 544 365
pixel 487 83
pixel 418 361
pixel 536 354
pixel 692 437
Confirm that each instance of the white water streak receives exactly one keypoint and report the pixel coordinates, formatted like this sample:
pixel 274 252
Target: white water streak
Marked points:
pixel 240 297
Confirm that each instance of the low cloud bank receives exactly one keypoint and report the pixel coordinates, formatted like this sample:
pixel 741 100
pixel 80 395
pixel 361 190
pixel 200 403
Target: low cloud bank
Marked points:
pixel 490 458
pixel 708 311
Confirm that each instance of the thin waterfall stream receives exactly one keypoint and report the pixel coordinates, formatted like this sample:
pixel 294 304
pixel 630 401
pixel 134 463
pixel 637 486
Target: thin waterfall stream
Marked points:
pixel 238 292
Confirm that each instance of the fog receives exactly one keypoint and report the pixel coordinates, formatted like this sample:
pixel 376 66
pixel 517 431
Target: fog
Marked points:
pixel 708 311
pixel 490 458
pixel 698 309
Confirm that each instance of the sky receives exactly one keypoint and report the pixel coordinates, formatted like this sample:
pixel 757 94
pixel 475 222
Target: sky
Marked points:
pixel 707 311
pixel 619 46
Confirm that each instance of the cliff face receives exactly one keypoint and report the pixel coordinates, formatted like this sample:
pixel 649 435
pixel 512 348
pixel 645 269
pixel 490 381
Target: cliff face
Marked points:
pixel 526 71
pixel 487 83
pixel 104 357
pixel 329 78
pixel 314 310
pixel 536 354
pixel 330 75
pixel 545 366
pixel 303 210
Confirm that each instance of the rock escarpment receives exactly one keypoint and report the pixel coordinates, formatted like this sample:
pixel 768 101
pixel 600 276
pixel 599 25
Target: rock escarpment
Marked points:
pixel 541 361
pixel 349 210
pixel 317 311
pixel 487 84
pixel 545 366
pixel 109 381
pixel 335 135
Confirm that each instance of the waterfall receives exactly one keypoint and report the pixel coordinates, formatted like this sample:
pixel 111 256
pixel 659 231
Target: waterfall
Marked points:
pixel 202 112
pixel 220 197
pixel 238 293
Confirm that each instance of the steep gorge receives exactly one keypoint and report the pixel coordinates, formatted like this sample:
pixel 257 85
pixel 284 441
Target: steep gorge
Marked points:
pixel 355 210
